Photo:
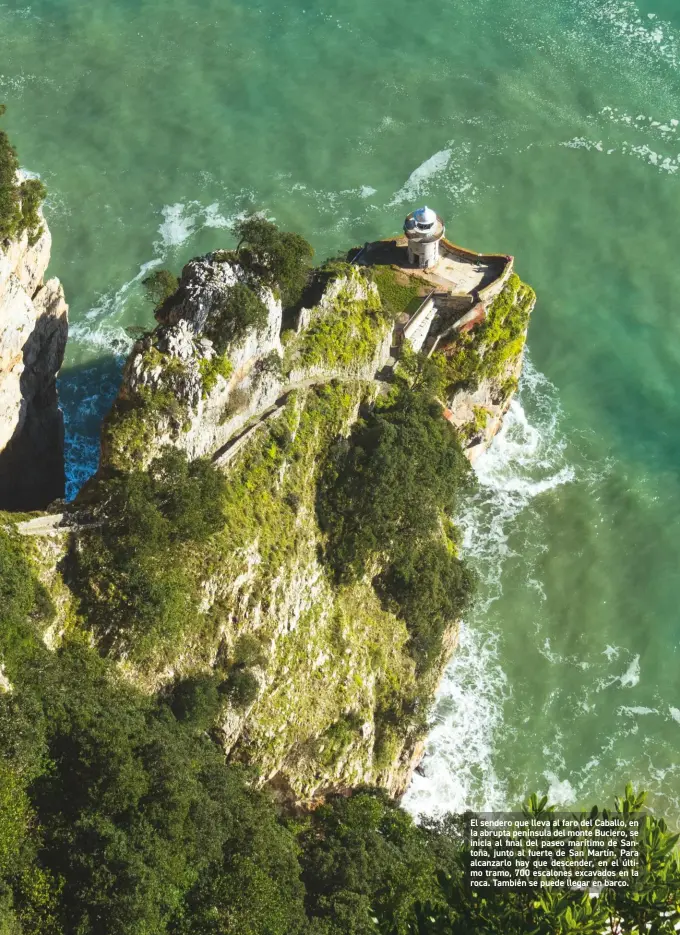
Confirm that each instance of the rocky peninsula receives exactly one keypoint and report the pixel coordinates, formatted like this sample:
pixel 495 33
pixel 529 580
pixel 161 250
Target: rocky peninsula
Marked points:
pixel 308 632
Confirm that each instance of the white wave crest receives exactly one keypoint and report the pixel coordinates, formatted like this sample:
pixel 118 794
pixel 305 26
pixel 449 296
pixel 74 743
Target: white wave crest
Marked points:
pixel 416 181
pixel 458 769
pixel 526 459
pixel 560 791
pixel 631 676
pixel 627 711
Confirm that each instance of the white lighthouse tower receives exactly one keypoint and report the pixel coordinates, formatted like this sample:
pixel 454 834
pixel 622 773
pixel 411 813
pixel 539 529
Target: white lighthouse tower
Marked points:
pixel 424 230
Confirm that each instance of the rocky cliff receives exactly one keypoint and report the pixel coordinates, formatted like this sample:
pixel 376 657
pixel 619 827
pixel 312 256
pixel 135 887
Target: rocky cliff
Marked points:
pixel 325 685
pixel 33 331
pixel 336 675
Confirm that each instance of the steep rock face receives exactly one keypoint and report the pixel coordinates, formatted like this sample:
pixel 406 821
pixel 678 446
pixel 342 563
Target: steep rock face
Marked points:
pixel 335 665
pixel 335 700
pixel 489 361
pixel 177 391
pixel 33 331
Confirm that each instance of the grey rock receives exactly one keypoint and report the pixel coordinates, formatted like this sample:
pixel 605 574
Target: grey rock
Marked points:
pixel 33 332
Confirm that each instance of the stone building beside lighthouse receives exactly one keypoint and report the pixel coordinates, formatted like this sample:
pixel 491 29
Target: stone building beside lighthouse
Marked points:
pixel 424 230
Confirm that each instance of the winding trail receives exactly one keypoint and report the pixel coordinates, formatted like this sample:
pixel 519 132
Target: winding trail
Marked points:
pixel 55 524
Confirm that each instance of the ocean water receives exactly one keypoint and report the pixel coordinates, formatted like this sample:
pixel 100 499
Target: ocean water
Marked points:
pixel 544 128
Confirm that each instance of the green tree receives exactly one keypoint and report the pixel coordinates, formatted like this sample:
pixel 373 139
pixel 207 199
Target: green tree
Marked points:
pixel 196 701
pixel 159 286
pixel 19 201
pixel 364 858
pixel 429 588
pixel 276 257
pixel 241 687
pixel 237 310
pixel 130 572
pixel 385 499
pixel 385 490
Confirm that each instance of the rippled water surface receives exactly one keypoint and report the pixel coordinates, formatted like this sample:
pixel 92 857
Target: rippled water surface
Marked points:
pixel 544 128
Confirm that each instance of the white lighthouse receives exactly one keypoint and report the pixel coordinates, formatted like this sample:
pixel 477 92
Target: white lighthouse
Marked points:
pixel 424 230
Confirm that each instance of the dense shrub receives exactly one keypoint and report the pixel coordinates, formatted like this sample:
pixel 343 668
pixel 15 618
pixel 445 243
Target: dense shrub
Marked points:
pixel 237 402
pixel 136 817
pixel 196 701
pixel 237 310
pixel 385 489
pixel 276 257
pixel 241 687
pixel 136 592
pixel 429 588
pixel 159 286
pixel 23 600
pixel 249 651
pixel 384 500
pixel 363 857
pixel 19 201
pixel 211 370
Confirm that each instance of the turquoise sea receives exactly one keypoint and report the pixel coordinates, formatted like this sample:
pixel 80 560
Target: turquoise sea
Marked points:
pixel 543 128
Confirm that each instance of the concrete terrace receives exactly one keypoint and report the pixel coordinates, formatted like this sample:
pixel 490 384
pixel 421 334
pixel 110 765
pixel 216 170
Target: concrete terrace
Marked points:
pixel 458 271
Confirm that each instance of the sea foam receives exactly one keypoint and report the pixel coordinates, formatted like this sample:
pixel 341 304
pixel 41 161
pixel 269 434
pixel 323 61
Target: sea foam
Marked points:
pixel 527 458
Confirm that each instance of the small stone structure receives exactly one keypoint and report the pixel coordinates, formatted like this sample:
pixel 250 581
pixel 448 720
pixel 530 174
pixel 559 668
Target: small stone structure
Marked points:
pixel 424 230
pixel 457 286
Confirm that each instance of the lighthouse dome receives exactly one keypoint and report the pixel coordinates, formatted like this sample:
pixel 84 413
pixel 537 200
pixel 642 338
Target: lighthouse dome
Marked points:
pixel 425 217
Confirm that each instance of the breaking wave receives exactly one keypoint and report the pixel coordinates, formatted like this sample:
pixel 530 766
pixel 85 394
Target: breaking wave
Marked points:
pixel 526 459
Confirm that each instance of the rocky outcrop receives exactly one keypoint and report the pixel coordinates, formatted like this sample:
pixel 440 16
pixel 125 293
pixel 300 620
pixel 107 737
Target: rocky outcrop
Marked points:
pixel 334 691
pixel 477 406
pixel 479 411
pixel 33 331
pixel 177 391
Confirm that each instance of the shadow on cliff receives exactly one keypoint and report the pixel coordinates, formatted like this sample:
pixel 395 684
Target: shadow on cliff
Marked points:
pixel 58 441
pixel 32 463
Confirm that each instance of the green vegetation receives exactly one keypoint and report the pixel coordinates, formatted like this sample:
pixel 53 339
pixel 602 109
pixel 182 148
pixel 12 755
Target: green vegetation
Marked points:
pixel 269 545
pixel 20 202
pixel 381 502
pixel 136 594
pixel 132 425
pixel 249 651
pixel 159 286
pixel 430 588
pixel 217 366
pixel 237 310
pixel 116 815
pixel 241 687
pixel 23 600
pixel 274 257
pixel 477 424
pixel 347 334
pixel 396 296
pixel 486 351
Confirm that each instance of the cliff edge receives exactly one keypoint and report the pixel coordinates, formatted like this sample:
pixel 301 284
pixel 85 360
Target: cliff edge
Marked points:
pixel 269 542
pixel 330 431
pixel 33 332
